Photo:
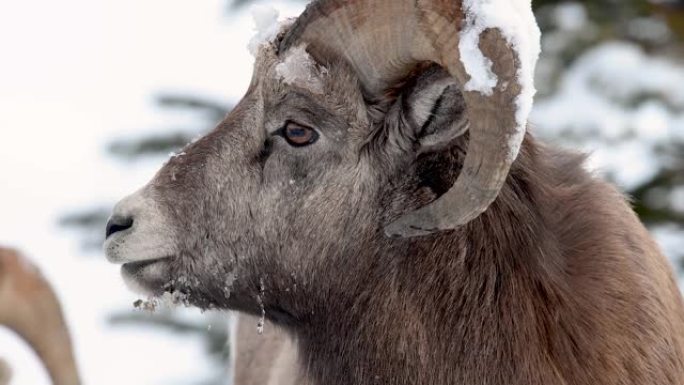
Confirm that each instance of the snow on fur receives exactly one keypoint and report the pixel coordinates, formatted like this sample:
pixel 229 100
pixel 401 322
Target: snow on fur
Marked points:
pixel 299 69
pixel 167 300
pixel 515 20
pixel 266 25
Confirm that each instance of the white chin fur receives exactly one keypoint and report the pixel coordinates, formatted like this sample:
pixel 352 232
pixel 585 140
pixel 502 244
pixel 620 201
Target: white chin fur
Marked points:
pixel 133 285
pixel 152 274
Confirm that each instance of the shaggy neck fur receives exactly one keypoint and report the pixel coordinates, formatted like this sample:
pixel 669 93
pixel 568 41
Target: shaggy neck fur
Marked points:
pixel 545 288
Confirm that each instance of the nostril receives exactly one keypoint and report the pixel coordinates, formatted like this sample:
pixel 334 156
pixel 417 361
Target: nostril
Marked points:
pixel 116 224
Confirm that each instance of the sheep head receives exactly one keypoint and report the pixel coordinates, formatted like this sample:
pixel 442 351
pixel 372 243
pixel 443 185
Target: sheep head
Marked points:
pixel 350 142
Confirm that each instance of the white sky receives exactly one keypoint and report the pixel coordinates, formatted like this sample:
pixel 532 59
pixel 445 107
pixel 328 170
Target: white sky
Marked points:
pixel 73 75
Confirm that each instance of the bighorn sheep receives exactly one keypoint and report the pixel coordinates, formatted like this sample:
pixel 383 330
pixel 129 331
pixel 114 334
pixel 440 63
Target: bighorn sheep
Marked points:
pixel 29 307
pixel 503 265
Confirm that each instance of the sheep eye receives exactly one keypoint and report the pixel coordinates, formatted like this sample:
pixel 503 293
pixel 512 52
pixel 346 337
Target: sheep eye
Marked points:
pixel 297 135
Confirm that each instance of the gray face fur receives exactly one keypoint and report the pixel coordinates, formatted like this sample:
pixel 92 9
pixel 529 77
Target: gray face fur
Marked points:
pixel 243 218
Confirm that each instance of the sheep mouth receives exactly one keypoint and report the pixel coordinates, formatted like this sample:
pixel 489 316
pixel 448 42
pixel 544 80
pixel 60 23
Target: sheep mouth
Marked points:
pixel 147 277
pixel 133 267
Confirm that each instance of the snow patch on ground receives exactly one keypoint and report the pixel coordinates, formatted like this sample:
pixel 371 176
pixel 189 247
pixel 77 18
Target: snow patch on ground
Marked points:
pixel 570 17
pixel 515 20
pixel 623 97
pixel 677 199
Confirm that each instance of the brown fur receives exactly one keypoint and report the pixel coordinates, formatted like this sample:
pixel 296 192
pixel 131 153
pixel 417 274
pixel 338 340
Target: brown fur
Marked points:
pixel 557 283
pixel 269 358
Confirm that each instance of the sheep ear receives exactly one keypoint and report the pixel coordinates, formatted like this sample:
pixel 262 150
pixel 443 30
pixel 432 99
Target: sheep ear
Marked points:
pixel 435 110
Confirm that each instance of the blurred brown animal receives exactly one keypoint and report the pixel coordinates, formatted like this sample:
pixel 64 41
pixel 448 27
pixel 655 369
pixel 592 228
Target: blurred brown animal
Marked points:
pixel 29 307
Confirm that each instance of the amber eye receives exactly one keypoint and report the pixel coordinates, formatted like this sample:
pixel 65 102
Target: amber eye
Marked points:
pixel 298 135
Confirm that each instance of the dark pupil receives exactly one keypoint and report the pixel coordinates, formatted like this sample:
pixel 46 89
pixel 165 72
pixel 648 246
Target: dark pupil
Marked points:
pixel 298 134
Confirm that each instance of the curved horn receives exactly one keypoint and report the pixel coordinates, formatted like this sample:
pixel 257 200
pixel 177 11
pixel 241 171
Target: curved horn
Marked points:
pixel 384 39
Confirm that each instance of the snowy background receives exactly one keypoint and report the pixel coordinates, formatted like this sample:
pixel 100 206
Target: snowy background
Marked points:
pixel 95 94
